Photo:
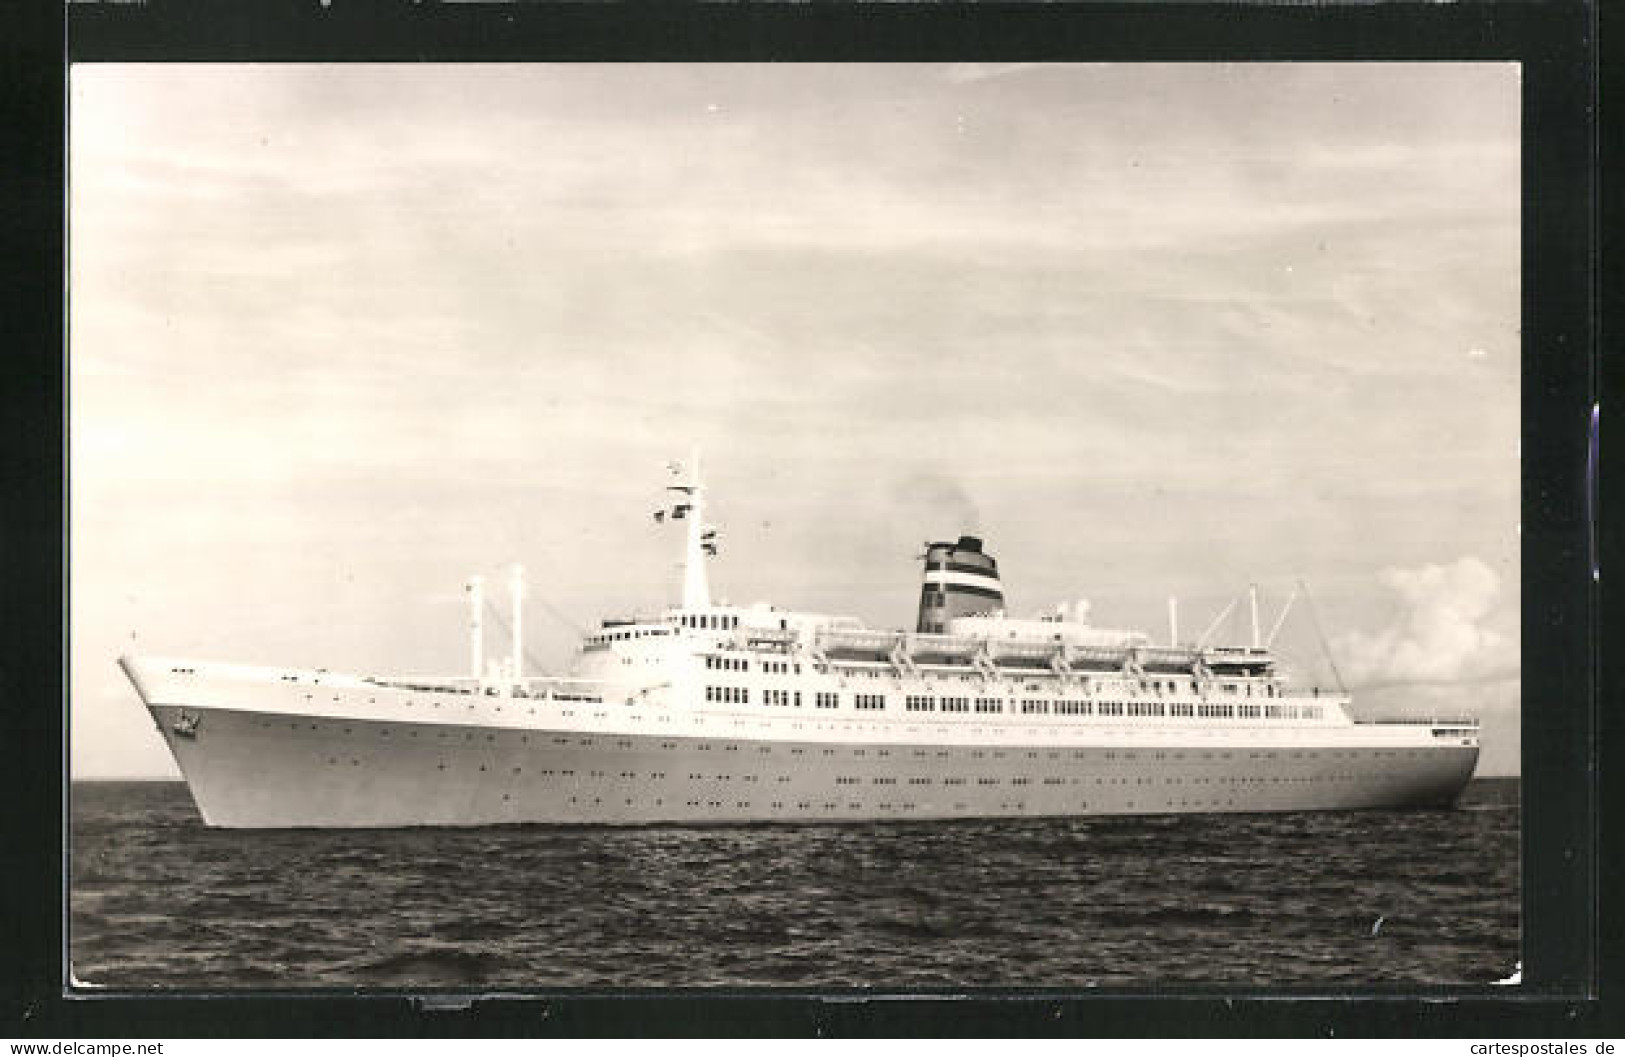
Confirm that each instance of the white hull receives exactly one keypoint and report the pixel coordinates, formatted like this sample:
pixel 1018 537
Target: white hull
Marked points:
pixel 260 748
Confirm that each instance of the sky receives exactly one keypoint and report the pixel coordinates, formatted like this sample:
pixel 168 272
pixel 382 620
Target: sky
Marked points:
pixel 342 336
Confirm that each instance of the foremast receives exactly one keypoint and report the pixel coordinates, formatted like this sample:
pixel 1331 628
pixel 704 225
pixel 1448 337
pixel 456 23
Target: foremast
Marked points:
pixel 688 504
pixel 696 586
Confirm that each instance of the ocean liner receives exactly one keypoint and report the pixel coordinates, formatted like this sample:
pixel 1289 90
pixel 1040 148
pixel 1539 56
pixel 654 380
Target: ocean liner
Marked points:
pixel 720 713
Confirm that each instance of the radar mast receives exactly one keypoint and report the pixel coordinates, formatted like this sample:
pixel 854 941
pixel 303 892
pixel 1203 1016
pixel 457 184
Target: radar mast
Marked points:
pixel 696 588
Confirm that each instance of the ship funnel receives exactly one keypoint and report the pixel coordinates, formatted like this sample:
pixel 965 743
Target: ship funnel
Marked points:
pixel 961 580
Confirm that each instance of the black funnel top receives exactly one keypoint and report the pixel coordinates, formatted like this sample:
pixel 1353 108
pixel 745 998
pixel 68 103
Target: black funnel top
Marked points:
pixel 961 579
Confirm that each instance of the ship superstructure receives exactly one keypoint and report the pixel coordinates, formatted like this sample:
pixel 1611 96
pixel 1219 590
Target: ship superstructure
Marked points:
pixel 710 712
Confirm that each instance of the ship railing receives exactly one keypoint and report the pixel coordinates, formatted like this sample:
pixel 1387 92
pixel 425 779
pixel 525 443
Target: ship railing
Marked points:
pixel 434 685
pixel 560 688
pixel 865 640
pixel 766 636
pixel 944 645
pixel 1022 649
pixel 1419 721
pixel 1289 693
pixel 1168 655
pixel 1105 657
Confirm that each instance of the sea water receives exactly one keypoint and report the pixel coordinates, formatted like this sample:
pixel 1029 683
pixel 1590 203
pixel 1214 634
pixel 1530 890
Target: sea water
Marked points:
pixel 1312 900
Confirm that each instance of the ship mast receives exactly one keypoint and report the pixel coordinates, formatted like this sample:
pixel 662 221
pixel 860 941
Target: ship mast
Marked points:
pixel 696 588
pixel 476 626
pixel 1252 604
pixel 518 591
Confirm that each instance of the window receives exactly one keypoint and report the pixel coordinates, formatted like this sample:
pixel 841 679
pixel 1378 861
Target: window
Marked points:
pixel 824 699
pixel 1031 707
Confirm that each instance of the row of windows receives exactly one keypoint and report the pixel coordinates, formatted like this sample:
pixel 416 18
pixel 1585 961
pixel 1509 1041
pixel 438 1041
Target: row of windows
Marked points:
pixel 1157 686
pixel 1028 706
pixel 630 633
pixel 927 703
pixel 1293 711
pixel 976 754
pixel 709 621
pixel 1040 707
pixel 742 664
pixel 832 805
pixel 754 779
pixel 1191 686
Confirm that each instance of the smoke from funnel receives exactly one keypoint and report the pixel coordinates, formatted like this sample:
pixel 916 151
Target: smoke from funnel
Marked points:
pixel 941 502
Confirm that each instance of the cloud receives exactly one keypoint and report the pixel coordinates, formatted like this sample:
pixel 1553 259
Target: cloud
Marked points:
pixel 1439 637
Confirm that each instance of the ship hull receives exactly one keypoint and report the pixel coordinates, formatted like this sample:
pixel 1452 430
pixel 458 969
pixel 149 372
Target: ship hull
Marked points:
pixel 268 769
